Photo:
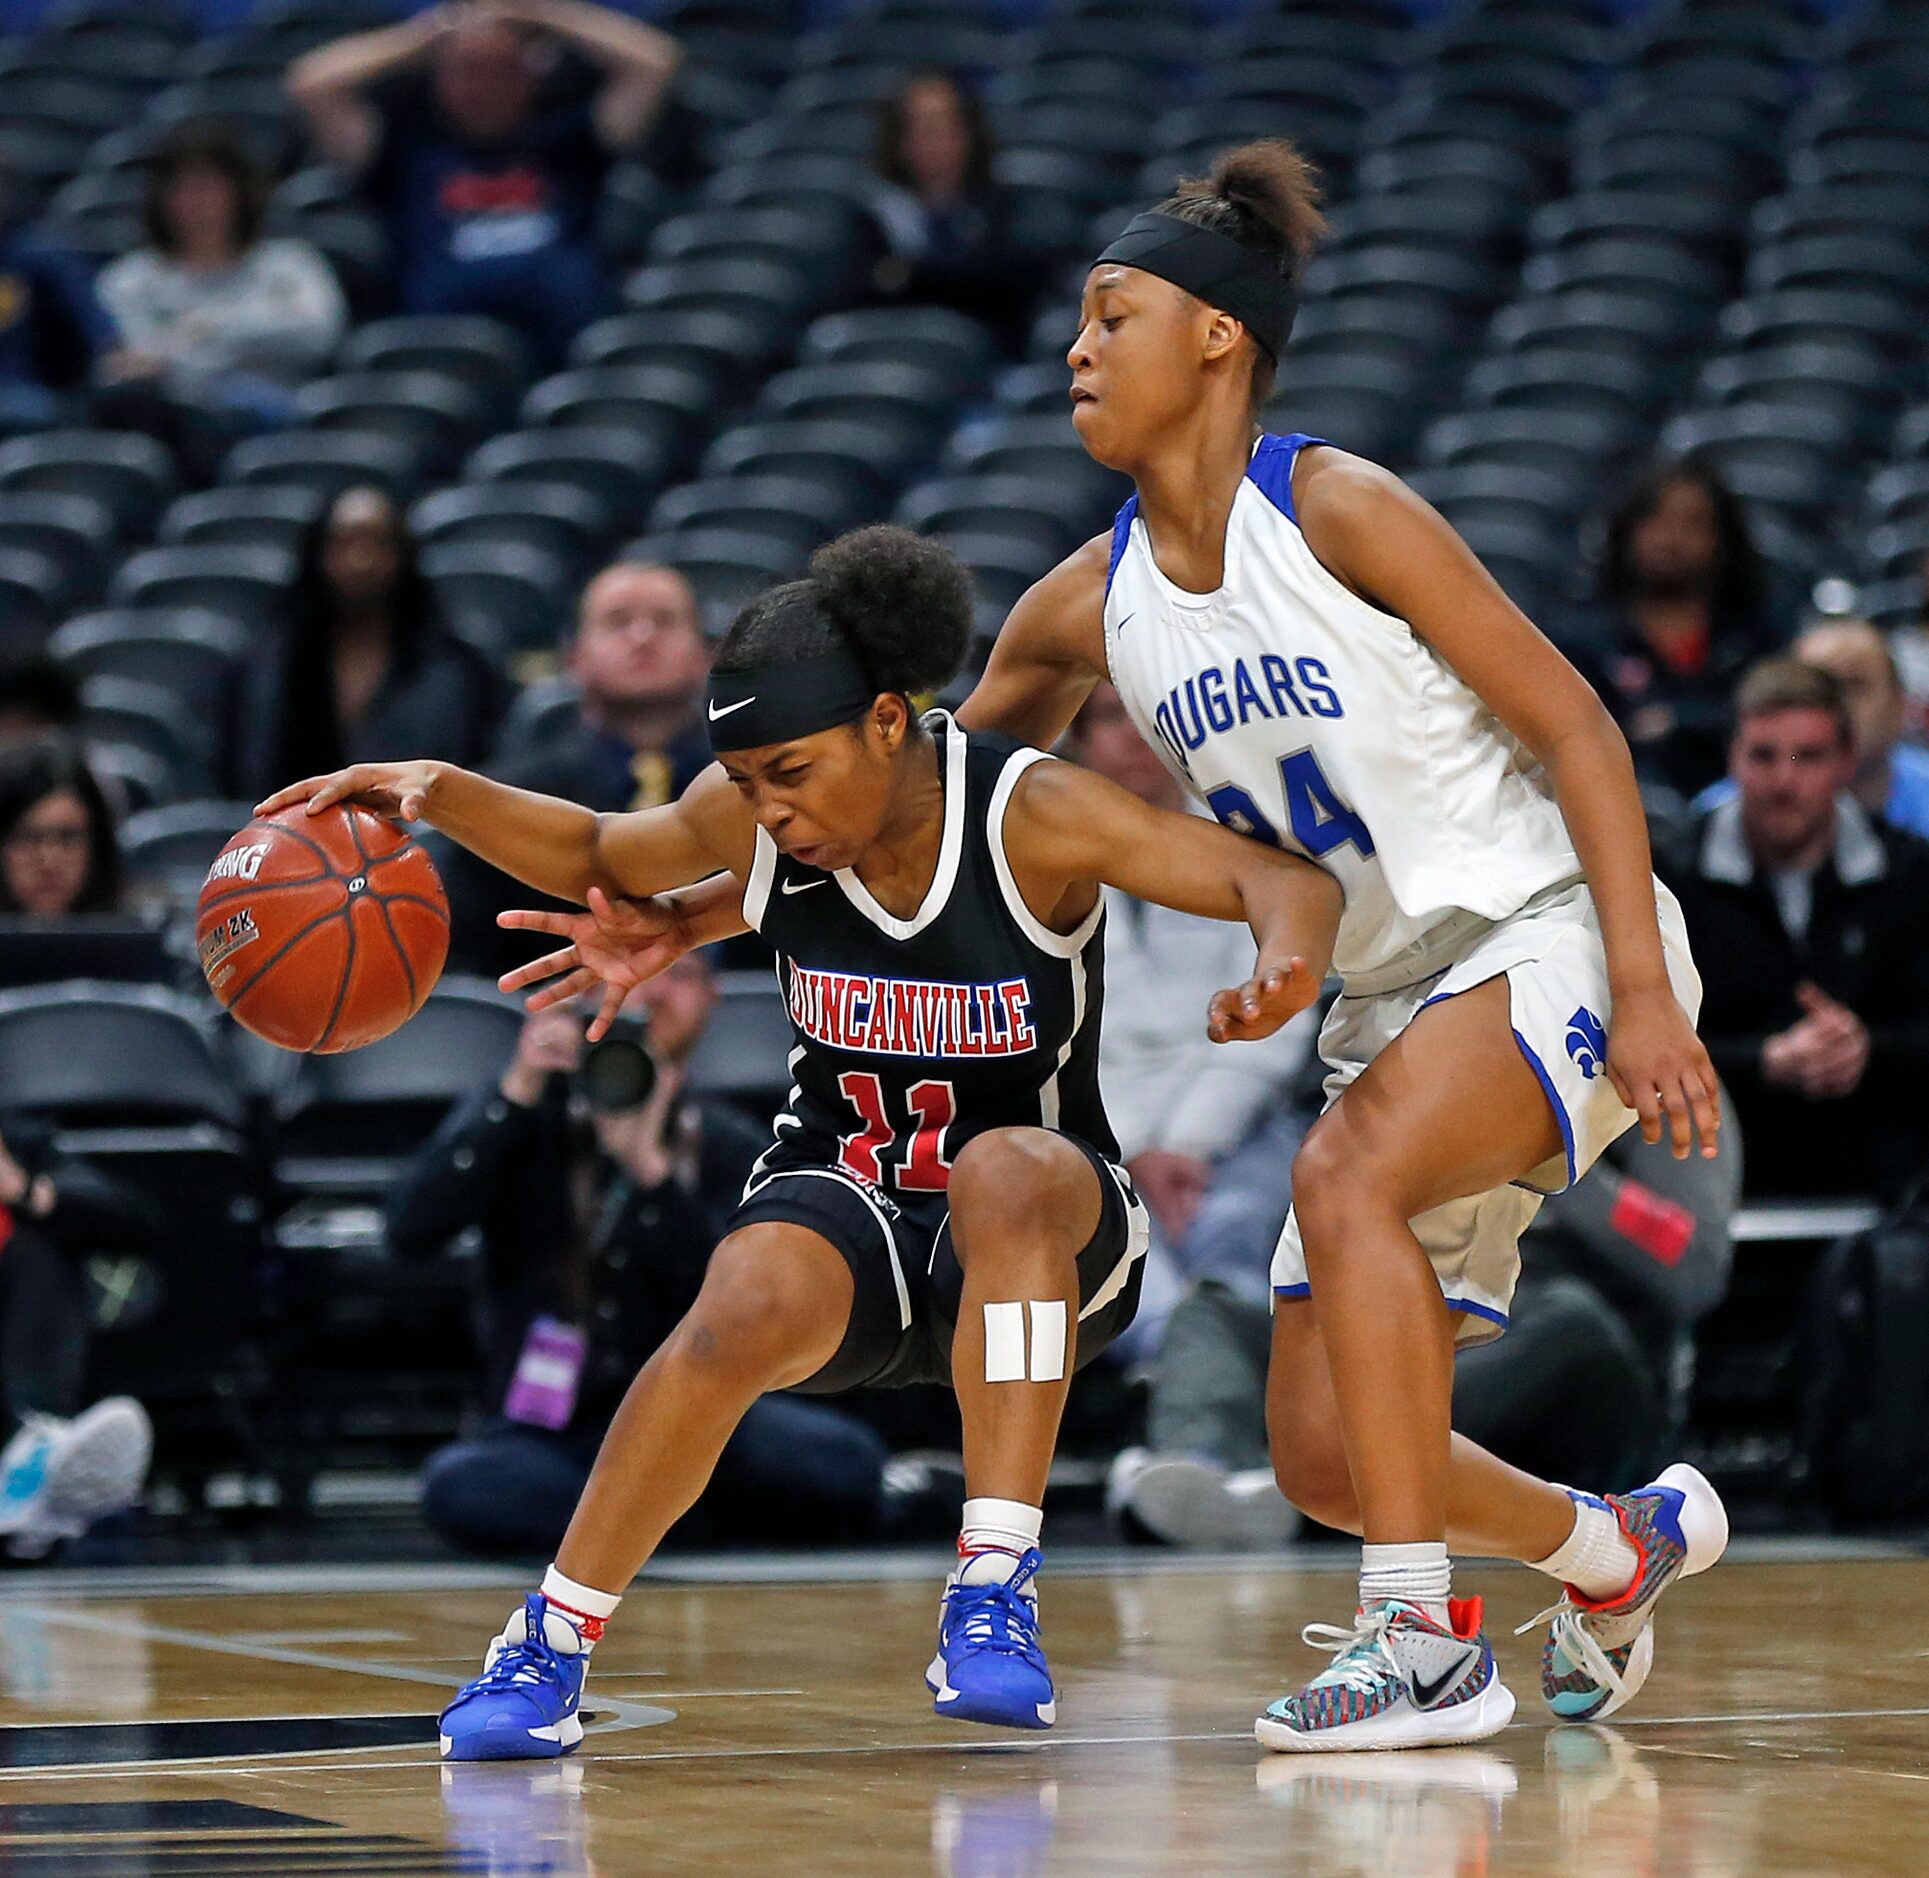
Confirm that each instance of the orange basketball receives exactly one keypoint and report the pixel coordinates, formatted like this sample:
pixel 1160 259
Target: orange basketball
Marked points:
pixel 322 932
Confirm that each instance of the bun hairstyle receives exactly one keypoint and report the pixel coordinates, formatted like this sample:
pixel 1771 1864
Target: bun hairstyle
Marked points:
pixel 1265 195
pixel 900 604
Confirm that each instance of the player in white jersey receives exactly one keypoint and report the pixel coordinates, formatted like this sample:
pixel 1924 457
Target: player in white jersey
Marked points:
pixel 1316 653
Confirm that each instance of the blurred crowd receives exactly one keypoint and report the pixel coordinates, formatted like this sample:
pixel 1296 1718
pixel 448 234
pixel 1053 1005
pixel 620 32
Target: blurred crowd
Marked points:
pixel 1778 735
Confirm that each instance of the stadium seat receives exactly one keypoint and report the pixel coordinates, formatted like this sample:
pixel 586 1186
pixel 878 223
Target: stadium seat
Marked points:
pixel 1567 378
pixel 507 597
pixel 1002 565
pixel 624 470
pixel 669 402
pixel 262 515
pixel 1470 166
pixel 1055 515
pixel 438 418
pixel 245 582
pixel 1656 266
pixel 743 1053
pixel 1525 434
pixel 65 1052
pixel 724 347
pixel 935 338
pixel 481 353
pixel 755 286
pixel 343 1123
pixel 724 566
pixel 32 597
pixel 257 109
pixel 166 852
pixel 869 455
pixel 1791 315
pixel 1577 319
pixel 132 475
pixel 75 532
pixel 792 509
pixel 1682 158
pixel 912 400
pixel 818 241
pixel 1881 259
pixel 191 654
pixel 560 519
pixel 324 463
pixel 1538 495
pixel 539 713
pixel 130 713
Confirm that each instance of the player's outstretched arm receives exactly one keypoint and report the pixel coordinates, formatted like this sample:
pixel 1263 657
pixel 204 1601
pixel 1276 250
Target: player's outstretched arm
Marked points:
pixel 557 847
pixel 1068 827
pixel 1049 653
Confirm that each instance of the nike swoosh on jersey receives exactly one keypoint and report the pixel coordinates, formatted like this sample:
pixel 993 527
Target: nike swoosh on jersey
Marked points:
pixel 798 886
pixel 716 714
pixel 1425 1694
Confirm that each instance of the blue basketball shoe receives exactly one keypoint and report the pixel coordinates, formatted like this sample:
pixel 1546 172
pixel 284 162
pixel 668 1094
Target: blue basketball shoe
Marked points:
pixel 523 1705
pixel 1599 1650
pixel 989 1666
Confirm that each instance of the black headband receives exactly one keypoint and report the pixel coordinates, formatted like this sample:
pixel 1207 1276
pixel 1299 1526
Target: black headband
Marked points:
pixel 1214 267
pixel 795 698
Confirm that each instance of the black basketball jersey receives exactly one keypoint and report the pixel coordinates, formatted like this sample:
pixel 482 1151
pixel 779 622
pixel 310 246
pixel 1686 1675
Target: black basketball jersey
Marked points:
pixel 915 1034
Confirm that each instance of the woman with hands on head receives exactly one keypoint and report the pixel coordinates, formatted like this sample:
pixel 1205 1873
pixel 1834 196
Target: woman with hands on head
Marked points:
pixel 942 1199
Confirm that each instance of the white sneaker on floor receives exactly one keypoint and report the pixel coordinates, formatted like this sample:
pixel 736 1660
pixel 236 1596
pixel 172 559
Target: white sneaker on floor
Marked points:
pixel 58 1477
pixel 1188 1500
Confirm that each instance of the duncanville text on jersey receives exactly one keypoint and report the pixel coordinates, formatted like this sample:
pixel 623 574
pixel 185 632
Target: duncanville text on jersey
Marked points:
pixel 911 1017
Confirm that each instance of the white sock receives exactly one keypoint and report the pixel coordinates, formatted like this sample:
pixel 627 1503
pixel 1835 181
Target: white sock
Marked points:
pixel 579 1610
pixel 1421 1575
pixel 996 1535
pixel 1597 1558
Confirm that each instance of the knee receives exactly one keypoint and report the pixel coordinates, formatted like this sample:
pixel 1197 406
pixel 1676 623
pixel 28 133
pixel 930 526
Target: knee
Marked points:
pixel 1312 1473
pixel 746 1325
pixel 1338 1180
pixel 1018 1192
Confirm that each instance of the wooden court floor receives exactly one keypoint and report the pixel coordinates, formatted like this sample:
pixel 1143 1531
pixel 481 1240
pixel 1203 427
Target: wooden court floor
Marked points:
pixel 751 1720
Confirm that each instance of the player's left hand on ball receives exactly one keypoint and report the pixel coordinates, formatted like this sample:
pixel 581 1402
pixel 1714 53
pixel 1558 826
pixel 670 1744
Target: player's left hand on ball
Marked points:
pixel 1262 1004
pixel 397 790
pixel 1661 1070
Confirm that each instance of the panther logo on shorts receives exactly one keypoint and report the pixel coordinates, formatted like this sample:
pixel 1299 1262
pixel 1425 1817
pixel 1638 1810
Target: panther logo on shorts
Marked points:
pixel 1587 1042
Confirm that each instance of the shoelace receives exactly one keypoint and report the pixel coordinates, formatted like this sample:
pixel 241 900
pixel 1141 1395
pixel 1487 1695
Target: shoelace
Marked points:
pixel 1573 1636
pixel 997 1617
pixel 1360 1652
pixel 531 1661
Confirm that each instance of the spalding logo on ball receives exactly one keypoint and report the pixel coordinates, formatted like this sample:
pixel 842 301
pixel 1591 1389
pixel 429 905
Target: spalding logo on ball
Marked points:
pixel 322 932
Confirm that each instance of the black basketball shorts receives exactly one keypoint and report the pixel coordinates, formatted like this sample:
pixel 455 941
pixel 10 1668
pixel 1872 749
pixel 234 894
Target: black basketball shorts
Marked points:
pixel 908 1279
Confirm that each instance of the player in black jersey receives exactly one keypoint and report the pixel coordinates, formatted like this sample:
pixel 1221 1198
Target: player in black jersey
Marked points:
pixel 942 1198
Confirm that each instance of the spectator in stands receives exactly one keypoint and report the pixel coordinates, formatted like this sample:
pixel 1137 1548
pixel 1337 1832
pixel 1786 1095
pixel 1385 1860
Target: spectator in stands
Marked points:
pixel 1181 1106
pixel 1681 616
pixel 1807 915
pixel 51 325
pixel 364 668
pixel 639 660
pixel 944 226
pixel 1891 776
pixel 596 1225
pixel 489 180
pixel 57 849
pixel 38 697
pixel 215 323
pixel 60 1469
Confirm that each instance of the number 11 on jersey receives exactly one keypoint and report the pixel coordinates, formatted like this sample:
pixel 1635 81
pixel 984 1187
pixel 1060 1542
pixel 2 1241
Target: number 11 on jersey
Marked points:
pixel 1319 820
pixel 926 1166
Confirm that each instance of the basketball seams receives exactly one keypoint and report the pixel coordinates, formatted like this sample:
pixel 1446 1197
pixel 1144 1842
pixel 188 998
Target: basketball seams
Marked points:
pixel 411 899
pixel 243 889
pixel 281 952
pixel 401 951
pixel 342 984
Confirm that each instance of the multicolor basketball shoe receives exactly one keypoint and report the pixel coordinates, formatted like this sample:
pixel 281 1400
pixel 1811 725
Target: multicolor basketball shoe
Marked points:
pixel 1599 1650
pixel 1397 1680
pixel 524 1704
pixel 990 1666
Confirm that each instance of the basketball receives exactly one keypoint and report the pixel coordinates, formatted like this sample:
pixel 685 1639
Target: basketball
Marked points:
pixel 325 932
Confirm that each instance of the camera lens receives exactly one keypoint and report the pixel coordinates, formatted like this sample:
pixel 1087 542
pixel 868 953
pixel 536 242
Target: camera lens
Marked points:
pixel 617 1074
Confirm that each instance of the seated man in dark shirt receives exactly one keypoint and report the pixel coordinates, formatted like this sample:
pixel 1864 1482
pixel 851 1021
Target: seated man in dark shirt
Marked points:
pixel 638 659
pixel 596 1223
pixel 489 178
pixel 1806 914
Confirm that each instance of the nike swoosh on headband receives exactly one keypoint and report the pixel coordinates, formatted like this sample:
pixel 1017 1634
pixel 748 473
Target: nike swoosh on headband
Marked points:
pixel 715 714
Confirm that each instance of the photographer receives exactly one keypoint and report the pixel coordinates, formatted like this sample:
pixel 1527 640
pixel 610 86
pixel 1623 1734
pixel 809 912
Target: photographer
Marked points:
pixel 598 1186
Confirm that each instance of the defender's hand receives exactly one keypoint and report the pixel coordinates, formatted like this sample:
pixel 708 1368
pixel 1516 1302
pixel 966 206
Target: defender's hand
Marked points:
pixel 1261 1005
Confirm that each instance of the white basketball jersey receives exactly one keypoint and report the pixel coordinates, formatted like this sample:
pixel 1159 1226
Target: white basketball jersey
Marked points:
pixel 1313 721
